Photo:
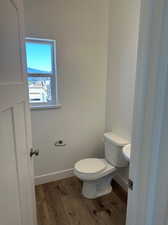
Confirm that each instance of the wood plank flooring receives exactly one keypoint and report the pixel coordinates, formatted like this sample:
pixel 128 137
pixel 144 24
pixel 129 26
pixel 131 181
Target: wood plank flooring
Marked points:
pixel 61 203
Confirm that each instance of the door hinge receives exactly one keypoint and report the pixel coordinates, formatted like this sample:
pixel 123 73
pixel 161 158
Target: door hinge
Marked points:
pixel 130 184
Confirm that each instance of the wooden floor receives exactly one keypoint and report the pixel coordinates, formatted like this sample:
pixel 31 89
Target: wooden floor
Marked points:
pixel 61 203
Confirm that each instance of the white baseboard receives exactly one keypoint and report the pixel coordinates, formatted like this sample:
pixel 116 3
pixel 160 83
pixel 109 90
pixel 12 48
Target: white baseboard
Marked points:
pixel 50 177
pixel 121 181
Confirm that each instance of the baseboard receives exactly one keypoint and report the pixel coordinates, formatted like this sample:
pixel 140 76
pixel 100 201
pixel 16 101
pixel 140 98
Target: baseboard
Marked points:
pixel 121 181
pixel 50 177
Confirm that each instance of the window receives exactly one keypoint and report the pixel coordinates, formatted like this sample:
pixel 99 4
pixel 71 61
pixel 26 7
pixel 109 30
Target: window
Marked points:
pixel 42 72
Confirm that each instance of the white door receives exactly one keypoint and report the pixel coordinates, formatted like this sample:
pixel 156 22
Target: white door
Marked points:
pixel 17 200
pixel 148 201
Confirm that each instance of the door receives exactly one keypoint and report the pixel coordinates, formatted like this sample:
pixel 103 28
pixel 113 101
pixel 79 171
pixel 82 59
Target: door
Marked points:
pixel 148 201
pixel 17 199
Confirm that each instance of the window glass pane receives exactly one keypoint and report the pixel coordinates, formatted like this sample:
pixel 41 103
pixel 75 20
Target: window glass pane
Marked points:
pixel 40 89
pixel 39 57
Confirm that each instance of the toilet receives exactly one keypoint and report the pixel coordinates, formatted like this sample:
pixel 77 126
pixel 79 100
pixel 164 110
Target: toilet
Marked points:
pixel 97 173
pixel 127 151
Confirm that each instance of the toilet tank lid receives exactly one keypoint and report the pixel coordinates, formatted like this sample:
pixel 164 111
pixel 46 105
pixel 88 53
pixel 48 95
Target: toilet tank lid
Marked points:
pixel 118 141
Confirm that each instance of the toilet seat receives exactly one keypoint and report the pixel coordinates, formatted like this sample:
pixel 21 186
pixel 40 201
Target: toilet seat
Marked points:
pixel 92 169
pixel 90 166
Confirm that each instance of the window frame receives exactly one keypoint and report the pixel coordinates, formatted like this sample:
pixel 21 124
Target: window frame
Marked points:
pixel 53 75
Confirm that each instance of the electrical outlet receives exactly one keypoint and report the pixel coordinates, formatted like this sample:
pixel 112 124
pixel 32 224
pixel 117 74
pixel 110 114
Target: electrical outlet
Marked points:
pixel 59 143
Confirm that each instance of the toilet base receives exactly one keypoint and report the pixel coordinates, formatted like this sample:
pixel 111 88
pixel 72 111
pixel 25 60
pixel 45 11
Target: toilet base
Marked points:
pixel 96 188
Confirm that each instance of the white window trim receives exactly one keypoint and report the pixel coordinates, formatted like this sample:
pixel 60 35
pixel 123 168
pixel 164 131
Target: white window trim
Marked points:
pixel 54 76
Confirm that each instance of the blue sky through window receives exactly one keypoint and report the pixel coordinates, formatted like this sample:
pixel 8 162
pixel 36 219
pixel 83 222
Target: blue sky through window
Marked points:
pixel 39 57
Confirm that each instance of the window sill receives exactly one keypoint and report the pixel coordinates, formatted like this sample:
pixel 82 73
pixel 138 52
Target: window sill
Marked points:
pixel 45 107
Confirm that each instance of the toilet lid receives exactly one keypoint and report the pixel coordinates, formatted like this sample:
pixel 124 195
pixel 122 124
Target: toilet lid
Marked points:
pixel 89 166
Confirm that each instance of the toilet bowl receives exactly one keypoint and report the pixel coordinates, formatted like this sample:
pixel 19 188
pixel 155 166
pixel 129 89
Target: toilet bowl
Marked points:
pixel 97 173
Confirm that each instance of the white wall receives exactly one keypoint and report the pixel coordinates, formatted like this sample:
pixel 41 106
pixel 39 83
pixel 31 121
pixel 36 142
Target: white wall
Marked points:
pixel 81 30
pixel 122 56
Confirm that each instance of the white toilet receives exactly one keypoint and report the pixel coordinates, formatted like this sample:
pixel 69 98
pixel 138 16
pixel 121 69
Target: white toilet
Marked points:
pixel 97 174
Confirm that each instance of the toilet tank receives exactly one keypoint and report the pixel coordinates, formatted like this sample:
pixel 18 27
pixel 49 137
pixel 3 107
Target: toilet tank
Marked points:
pixel 114 150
